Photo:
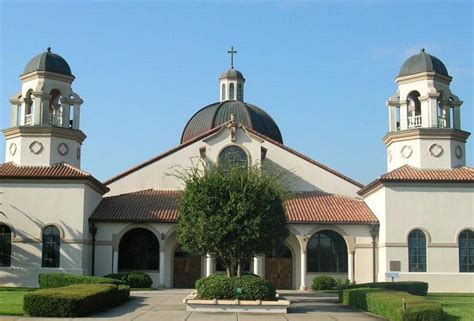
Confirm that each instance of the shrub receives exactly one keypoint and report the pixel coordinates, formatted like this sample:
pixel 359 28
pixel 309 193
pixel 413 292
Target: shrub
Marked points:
pixel 323 282
pixel 74 300
pixel 133 279
pixel 412 287
pixel 247 287
pixel 389 304
pixel 57 280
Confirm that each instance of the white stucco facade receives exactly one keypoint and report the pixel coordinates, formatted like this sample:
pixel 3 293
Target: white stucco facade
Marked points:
pixel 41 185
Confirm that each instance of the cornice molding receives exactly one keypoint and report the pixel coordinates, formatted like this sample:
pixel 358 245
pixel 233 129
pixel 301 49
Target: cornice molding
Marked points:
pixel 426 133
pixel 47 74
pixel 423 76
pixel 45 131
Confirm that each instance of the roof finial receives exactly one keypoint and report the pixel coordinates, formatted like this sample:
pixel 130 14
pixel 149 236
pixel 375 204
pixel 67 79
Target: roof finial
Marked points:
pixel 49 49
pixel 422 50
pixel 232 52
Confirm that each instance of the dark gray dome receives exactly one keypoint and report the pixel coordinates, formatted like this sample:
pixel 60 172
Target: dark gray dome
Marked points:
pixel 48 61
pixel 232 73
pixel 422 62
pixel 218 113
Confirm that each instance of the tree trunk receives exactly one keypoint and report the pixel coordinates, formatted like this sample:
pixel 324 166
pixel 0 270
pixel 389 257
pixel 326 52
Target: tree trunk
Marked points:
pixel 239 268
pixel 227 269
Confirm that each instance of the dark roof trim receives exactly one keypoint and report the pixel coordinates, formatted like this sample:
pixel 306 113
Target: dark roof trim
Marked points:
pixel 163 155
pixel 306 158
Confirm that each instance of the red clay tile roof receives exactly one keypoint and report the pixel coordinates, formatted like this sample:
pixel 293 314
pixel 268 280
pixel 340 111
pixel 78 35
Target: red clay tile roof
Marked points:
pixel 408 173
pixel 163 206
pixel 143 206
pixel 216 129
pixel 320 207
pixel 57 171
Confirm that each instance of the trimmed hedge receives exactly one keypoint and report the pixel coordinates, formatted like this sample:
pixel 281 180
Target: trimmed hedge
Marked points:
pixel 74 300
pixel 412 287
pixel 133 279
pixel 323 282
pixel 389 304
pixel 247 287
pixel 57 280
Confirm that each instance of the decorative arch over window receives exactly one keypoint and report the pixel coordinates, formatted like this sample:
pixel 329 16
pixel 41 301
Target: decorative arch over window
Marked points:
pixel 51 247
pixel 223 91
pixel 466 251
pixel 417 251
pixel 233 156
pixel 5 245
pixel 327 252
pixel 139 249
pixel 231 91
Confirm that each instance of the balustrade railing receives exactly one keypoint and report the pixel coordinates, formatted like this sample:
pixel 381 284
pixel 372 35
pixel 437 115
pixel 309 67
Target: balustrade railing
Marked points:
pixel 29 120
pixel 442 122
pixel 56 119
pixel 414 121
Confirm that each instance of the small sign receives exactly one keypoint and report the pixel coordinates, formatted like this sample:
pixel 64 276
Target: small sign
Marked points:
pixel 392 275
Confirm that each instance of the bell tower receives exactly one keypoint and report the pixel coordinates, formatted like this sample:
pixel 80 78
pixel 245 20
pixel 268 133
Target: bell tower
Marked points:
pixel 45 115
pixel 231 82
pixel 425 117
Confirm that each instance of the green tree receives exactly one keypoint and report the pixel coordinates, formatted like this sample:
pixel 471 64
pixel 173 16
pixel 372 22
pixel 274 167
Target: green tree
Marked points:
pixel 232 213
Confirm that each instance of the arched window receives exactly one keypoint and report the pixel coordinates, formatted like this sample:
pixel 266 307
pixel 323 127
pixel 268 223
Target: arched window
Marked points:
pixel 233 156
pixel 231 91
pixel 29 108
pixel 51 247
pixel 327 252
pixel 139 249
pixel 417 251
pixel 414 109
pixel 5 245
pixel 466 251
pixel 55 108
pixel 239 92
pixel 223 91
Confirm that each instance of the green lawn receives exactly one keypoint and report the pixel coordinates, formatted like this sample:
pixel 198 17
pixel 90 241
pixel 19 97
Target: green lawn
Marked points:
pixel 11 300
pixel 459 307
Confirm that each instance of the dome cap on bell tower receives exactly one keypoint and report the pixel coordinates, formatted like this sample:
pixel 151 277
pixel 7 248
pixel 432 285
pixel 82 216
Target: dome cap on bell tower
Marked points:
pixel 48 61
pixel 422 62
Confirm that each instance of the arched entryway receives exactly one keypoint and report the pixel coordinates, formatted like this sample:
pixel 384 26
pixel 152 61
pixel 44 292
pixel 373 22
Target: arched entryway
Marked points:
pixel 279 268
pixel 139 249
pixel 186 269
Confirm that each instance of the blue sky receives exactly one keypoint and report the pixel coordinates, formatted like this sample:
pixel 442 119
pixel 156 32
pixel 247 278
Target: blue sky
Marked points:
pixel 322 69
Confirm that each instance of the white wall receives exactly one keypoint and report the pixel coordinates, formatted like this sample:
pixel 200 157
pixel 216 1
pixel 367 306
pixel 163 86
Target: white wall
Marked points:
pixel 27 208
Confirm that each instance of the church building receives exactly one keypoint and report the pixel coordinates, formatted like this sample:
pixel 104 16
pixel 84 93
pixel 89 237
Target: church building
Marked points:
pixel 414 222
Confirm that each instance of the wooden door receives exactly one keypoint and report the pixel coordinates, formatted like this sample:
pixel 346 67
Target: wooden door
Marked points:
pixel 279 271
pixel 186 270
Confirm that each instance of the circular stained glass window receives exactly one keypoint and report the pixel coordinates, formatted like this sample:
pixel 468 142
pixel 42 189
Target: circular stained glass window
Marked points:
pixel 233 156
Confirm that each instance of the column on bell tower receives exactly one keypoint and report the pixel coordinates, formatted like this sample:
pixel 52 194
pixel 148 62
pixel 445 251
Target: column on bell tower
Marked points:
pixel 424 117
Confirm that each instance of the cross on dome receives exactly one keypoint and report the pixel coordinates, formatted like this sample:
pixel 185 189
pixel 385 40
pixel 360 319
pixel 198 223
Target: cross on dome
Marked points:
pixel 232 52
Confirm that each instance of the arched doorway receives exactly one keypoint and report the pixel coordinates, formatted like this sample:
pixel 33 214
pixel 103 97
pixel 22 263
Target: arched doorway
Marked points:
pixel 186 269
pixel 279 268
pixel 327 253
pixel 139 249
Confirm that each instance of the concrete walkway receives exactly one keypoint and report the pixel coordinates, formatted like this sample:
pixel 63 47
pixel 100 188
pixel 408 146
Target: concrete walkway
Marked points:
pixel 166 305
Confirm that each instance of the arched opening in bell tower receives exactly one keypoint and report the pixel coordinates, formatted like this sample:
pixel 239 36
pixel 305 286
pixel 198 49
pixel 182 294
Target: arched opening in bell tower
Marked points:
pixel 414 109
pixel 55 108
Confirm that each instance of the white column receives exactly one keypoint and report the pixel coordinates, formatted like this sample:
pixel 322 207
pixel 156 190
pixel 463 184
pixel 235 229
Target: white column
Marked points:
pixel 15 109
pixel 77 116
pixel 66 109
pixel 303 270
pixel 392 114
pixel 115 262
pixel 403 116
pixel 457 117
pixel 38 112
pixel 350 266
pixel 258 265
pixel 209 265
pixel 162 269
